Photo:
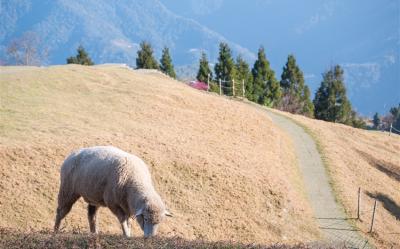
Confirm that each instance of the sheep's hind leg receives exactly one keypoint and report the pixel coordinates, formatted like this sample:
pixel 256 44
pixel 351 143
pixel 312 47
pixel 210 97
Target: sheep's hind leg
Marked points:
pixel 64 206
pixel 92 217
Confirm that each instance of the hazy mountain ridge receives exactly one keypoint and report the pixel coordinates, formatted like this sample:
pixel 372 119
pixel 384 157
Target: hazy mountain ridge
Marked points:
pixel 111 31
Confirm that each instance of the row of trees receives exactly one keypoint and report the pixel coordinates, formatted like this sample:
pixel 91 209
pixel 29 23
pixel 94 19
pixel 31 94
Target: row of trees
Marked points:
pixel 289 94
pixel 146 60
pixel 261 85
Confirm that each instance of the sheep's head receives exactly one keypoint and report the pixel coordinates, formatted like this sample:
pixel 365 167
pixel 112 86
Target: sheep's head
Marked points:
pixel 150 215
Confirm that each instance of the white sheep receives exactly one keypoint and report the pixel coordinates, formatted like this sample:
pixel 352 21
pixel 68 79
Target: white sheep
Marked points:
pixel 108 176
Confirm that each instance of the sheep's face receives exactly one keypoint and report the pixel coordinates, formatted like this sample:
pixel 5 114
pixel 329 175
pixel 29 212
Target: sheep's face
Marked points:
pixel 149 217
pixel 149 222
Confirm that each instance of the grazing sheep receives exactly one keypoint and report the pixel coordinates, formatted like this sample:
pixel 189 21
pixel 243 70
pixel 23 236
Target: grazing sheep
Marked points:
pixel 107 176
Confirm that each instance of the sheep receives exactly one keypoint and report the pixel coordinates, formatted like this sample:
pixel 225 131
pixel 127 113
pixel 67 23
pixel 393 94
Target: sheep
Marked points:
pixel 107 176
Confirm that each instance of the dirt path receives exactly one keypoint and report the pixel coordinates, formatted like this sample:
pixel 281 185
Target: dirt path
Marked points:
pixel 330 217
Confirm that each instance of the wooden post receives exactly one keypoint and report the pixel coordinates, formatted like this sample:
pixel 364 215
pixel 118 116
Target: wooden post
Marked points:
pixel 373 218
pixel 243 87
pixel 233 87
pixel 208 82
pixel 358 203
pixel 390 131
pixel 220 88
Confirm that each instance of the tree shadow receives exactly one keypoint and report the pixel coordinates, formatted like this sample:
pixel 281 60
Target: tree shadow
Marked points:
pixel 389 169
pixel 388 203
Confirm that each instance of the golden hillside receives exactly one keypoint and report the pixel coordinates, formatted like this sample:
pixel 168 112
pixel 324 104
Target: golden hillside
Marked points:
pixel 222 167
pixel 366 159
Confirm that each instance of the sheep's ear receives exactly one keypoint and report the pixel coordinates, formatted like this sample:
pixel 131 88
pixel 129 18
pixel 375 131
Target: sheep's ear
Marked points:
pixel 167 213
pixel 139 212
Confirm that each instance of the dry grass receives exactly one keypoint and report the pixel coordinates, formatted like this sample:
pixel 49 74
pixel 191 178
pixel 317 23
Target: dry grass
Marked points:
pixel 367 159
pixel 223 168
pixel 12 239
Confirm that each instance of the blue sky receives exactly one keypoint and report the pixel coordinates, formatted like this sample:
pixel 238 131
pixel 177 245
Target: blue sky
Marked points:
pixel 362 36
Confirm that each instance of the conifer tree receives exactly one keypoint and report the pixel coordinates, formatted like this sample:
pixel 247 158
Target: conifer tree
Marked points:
pixel 308 106
pixel 145 58
pixel 81 58
pixel 376 121
pixel 395 112
pixel 243 74
pixel 266 89
pixel 225 68
pixel 204 72
pixel 166 63
pixel 296 95
pixel 331 103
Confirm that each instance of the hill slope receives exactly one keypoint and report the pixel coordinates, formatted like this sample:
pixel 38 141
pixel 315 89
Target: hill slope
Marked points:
pixel 223 168
pixel 366 159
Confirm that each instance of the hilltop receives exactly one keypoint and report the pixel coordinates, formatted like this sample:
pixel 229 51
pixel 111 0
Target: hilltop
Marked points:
pixel 222 167
pixel 225 170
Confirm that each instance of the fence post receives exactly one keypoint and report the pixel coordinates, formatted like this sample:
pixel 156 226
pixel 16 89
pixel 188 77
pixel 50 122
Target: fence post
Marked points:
pixel 358 203
pixel 243 87
pixel 390 131
pixel 233 87
pixel 208 82
pixel 373 218
pixel 220 88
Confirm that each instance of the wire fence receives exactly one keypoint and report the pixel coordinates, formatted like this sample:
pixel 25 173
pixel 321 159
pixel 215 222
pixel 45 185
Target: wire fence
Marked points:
pixel 376 203
pixel 393 130
pixel 235 88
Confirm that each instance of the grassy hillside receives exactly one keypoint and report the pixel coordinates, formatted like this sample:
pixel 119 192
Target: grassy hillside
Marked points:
pixel 369 160
pixel 222 167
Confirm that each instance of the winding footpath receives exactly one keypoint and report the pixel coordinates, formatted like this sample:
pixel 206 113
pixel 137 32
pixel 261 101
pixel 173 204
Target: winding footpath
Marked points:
pixel 331 219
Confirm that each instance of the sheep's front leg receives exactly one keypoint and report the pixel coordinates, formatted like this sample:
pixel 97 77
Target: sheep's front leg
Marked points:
pixel 126 227
pixel 65 203
pixel 123 220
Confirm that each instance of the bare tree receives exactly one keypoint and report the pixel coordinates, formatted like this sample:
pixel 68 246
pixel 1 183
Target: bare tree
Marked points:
pixel 25 50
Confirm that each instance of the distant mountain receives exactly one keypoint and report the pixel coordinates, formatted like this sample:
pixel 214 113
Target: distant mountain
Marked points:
pixel 109 30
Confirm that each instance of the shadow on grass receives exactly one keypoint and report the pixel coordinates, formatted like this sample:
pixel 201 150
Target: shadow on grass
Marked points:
pixel 388 203
pixel 12 239
pixel 390 170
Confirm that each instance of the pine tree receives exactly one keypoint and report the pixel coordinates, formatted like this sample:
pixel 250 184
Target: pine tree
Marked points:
pixel 296 95
pixel 225 68
pixel 81 58
pixel 266 89
pixel 292 83
pixel 395 112
pixel 376 121
pixel 204 74
pixel 243 74
pixel 331 103
pixel 166 63
pixel 308 106
pixel 145 58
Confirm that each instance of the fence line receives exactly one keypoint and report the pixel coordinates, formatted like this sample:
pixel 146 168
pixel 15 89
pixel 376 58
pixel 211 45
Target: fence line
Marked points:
pixel 238 88
pixel 370 214
pixel 392 128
